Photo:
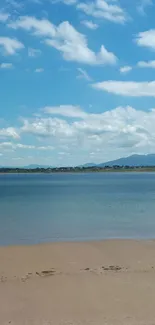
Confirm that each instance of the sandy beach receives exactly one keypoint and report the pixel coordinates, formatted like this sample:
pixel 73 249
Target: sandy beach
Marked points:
pixel 108 282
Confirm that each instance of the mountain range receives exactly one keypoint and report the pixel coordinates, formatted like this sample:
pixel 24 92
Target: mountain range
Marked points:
pixel 134 160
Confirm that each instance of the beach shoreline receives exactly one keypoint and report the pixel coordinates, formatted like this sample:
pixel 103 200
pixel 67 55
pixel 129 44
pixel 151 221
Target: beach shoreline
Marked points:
pixel 99 282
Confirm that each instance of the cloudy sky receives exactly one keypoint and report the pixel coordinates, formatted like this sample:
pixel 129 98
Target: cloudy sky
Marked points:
pixel 77 80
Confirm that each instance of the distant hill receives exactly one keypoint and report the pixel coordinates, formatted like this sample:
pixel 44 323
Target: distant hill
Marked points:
pixel 134 160
pixel 88 165
pixel 34 166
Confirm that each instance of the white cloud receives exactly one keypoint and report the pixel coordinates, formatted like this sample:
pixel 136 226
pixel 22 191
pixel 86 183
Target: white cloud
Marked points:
pixel 41 27
pixel 45 127
pixel 45 148
pixel 143 5
pixel 22 146
pixel 9 132
pixel 69 2
pixel 13 146
pixel 79 52
pixel 146 64
pixel 146 39
pixel 83 75
pixel 127 88
pixel 66 39
pixel 66 2
pixel 10 45
pixel 39 70
pixel 113 133
pixel 104 9
pixel 6 146
pixel 65 110
pixel 17 158
pixel 32 53
pixel 89 24
pixel 120 131
pixel 3 17
pixel 125 69
pixel 6 66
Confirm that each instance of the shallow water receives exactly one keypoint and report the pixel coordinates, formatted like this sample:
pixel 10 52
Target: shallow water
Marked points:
pixel 64 207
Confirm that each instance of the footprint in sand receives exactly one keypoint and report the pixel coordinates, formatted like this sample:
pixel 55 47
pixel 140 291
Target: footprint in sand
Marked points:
pixel 46 273
pixel 112 268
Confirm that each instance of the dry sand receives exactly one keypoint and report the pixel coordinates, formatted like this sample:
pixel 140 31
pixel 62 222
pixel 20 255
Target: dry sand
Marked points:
pixel 97 283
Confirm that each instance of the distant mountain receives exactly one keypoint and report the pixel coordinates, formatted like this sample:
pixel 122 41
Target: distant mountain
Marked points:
pixel 134 160
pixel 34 166
pixel 88 165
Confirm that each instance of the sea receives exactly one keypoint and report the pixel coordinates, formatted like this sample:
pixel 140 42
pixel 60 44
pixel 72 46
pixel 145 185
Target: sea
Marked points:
pixel 37 208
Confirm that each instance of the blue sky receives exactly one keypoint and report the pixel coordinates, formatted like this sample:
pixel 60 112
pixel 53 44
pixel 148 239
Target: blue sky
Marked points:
pixel 76 80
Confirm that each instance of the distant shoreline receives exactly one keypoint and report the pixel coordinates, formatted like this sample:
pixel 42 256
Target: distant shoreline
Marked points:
pixel 85 242
pixel 75 170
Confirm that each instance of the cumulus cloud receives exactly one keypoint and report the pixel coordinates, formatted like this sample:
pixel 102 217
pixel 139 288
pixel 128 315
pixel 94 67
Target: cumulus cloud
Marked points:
pixel 13 146
pixel 45 148
pixel 7 146
pixel 39 27
pixel 125 69
pixel 66 2
pixel 69 2
pixel 122 129
pixel 9 132
pixel 66 39
pixel 127 88
pixel 118 132
pixel 104 9
pixel 45 127
pixel 6 66
pixel 89 24
pixel 146 39
pixel 146 64
pixel 10 46
pixel 65 110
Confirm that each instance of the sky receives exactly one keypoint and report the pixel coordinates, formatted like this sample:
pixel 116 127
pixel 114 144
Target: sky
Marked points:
pixel 77 81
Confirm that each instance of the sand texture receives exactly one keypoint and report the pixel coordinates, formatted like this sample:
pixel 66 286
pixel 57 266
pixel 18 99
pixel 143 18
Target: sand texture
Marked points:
pixel 96 283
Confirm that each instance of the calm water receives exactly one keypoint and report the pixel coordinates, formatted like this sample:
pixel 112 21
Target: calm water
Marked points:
pixel 42 208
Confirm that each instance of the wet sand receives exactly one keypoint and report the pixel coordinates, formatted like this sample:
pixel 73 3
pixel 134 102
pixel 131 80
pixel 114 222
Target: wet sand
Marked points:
pixel 108 282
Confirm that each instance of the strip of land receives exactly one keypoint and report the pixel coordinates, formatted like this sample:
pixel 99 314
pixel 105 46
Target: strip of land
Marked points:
pixel 96 169
pixel 110 282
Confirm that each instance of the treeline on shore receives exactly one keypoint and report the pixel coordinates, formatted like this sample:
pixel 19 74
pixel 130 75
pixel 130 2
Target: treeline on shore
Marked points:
pixel 76 169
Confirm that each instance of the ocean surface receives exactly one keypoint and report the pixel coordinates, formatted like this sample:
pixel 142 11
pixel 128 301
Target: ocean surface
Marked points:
pixel 66 207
